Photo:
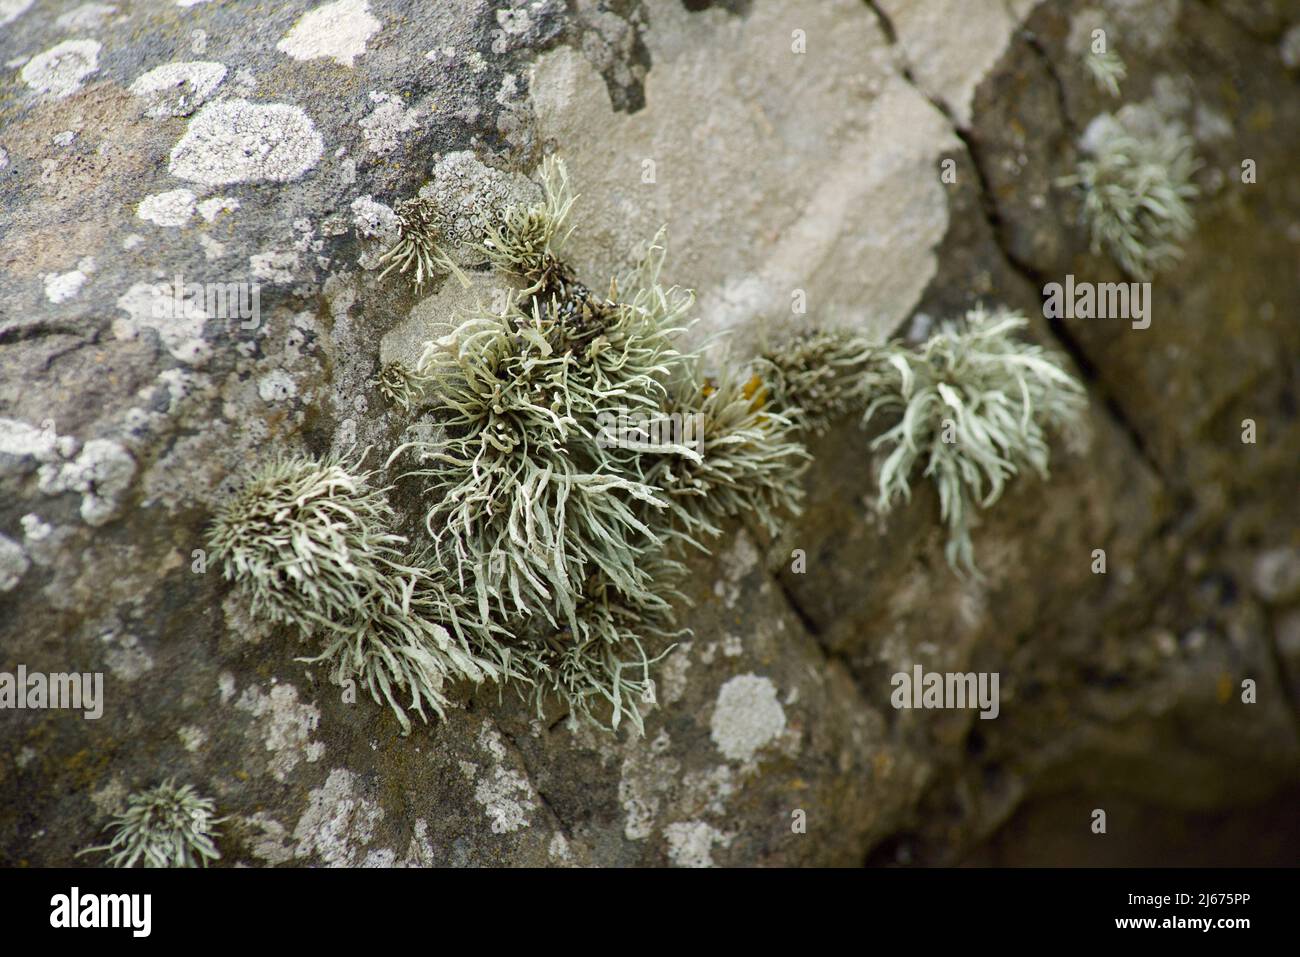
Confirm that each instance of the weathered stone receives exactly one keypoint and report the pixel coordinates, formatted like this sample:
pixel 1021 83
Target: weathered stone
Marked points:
pixel 790 148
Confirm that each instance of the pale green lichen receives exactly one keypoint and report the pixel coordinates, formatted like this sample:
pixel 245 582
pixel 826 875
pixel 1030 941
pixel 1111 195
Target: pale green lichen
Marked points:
pixel 562 536
pixel 970 409
pixel 309 544
pixel 418 249
pixel 551 561
pixel 397 383
pixel 164 826
pixel 1136 186
pixel 750 463
pixel 1106 69
pixel 569 451
pixel 814 377
pixel 527 242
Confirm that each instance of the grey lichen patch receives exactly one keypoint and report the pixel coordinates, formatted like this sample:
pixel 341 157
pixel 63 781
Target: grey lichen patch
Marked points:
pixel 338 823
pixel 284 725
pixel 611 37
pixel 747 717
pixel 646 779
pixel 373 220
pixel 236 141
pixel 338 31
pixel 11 10
pixel 269 839
pixel 61 70
pixel 174 207
pixel 125 656
pixel 102 472
pixel 177 320
pixel 178 89
pixel 13 563
pixel 389 124
pixel 691 843
pixel 505 793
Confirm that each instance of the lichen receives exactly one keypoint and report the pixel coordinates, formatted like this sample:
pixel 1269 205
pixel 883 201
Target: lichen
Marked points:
pixel 1106 69
pixel 308 544
pixel 1136 185
pixel 814 376
pixel 971 409
pixel 563 528
pixel 164 826
pixel 569 451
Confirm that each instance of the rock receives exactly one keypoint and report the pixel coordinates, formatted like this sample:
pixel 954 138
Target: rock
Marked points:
pixel 878 167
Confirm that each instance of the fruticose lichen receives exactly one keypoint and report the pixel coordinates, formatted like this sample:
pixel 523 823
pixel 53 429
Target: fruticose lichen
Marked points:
pixel 309 544
pixel 164 826
pixel 441 229
pixel 553 491
pixel 1136 185
pixel 562 487
pixel 418 248
pixel 1106 69
pixel 395 381
pixel 815 376
pixel 972 407
pixel 569 452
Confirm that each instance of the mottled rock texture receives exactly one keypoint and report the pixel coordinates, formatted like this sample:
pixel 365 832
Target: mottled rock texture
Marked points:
pixel 790 146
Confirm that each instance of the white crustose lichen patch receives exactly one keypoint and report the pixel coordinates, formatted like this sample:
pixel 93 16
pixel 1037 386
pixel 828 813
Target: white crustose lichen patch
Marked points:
pixel 747 717
pixel 338 31
pixel 172 208
pixel 286 726
pixel 235 141
pixel 60 71
pixel 178 89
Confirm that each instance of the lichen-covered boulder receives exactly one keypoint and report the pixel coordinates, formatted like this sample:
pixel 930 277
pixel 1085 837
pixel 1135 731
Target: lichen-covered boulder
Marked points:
pixel 195 203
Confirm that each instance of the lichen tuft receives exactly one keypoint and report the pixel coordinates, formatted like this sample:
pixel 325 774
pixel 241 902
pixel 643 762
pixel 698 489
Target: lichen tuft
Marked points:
pixel 164 826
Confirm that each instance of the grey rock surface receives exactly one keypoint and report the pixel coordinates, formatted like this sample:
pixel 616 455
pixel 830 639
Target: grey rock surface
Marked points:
pixel 789 146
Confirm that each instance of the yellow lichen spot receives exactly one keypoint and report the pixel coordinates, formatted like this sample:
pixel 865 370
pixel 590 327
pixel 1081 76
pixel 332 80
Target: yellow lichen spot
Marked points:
pixel 1223 691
